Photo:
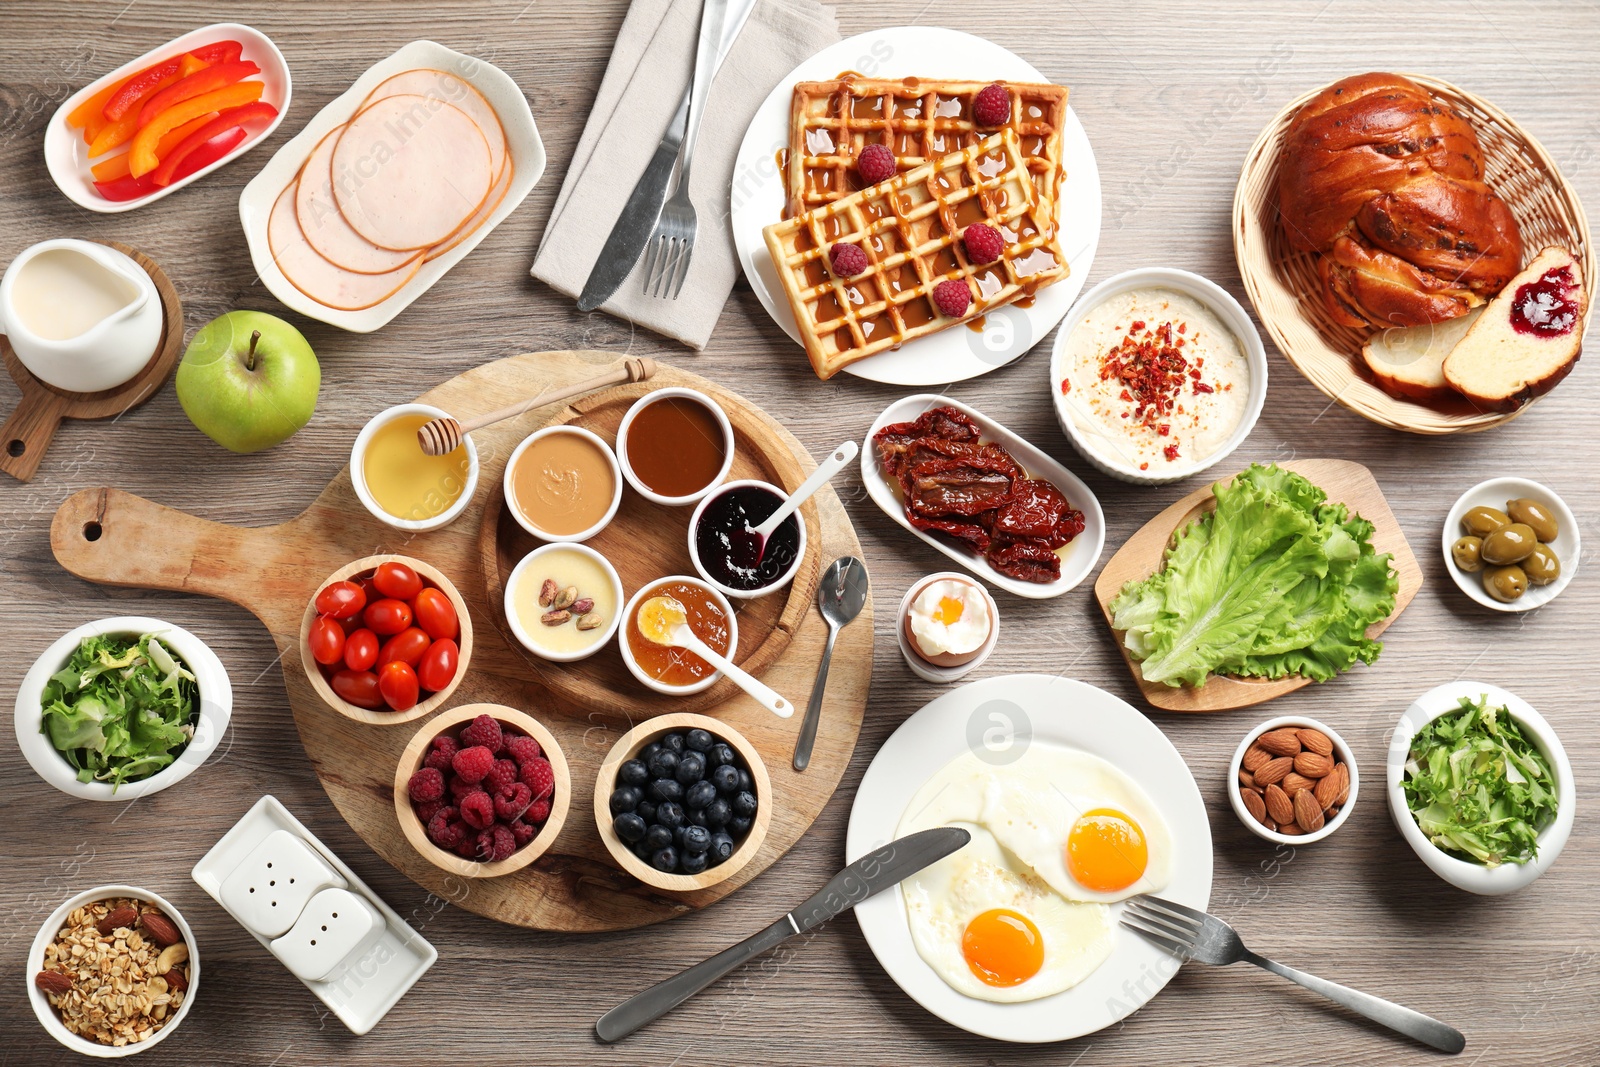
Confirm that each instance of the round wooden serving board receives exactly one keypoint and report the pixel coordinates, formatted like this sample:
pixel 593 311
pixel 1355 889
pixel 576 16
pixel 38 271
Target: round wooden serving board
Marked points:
pixel 109 536
pixel 1141 556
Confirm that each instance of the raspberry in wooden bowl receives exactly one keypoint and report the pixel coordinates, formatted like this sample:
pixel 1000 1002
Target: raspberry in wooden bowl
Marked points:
pixel 482 790
pixel 375 613
pixel 1293 780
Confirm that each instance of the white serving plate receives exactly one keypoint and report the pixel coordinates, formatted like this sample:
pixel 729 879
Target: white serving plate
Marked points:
pixel 1077 559
pixel 917 51
pixel 522 142
pixel 363 994
pixel 996 714
pixel 1494 493
pixel 67 157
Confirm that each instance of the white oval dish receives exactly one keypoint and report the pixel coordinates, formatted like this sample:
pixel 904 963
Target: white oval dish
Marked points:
pixel 211 682
pixel 627 424
pixel 1494 493
pixel 728 590
pixel 521 633
pixel 66 155
pixel 1340 749
pixel 633 664
pixel 47 933
pixel 928 672
pixel 1215 299
pixel 616 488
pixel 1077 558
pixel 1474 877
pixel 358 476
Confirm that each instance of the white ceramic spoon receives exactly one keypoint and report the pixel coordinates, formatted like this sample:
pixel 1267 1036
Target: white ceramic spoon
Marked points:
pixel 663 620
pixel 754 541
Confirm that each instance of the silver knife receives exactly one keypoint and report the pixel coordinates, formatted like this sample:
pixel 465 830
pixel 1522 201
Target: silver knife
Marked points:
pixel 638 219
pixel 875 871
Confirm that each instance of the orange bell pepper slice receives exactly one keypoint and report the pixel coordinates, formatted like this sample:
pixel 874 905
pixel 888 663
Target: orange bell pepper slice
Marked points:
pixel 201 81
pixel 120 131
pixel 117 166
pixel 142 153
pixel 79 116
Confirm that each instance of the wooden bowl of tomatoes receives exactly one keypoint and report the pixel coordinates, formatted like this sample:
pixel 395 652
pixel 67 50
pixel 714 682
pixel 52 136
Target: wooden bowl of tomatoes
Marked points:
pixel 386 640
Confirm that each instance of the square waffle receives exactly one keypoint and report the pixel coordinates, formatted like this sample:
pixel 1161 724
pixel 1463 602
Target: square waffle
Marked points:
pixel 910 229
pixel 920 121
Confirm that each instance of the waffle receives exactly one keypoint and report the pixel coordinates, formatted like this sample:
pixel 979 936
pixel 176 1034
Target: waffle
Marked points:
pixel 920 121
pixel 910 227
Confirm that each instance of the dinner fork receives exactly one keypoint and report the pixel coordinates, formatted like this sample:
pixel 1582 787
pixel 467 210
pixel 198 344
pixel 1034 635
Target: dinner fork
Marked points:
pixel 1191 934
pixel 666 258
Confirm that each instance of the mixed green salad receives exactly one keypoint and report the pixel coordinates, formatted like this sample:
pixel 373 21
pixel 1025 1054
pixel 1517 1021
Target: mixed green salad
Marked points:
pixel 1274 581
pixel 1478 787
pixel 121 709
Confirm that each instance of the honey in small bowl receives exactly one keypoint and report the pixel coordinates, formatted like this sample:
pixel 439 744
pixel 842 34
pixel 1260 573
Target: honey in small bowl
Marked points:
pixel 406 482
pixel 706 619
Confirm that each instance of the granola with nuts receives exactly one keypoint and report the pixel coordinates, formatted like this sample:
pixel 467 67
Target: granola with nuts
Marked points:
pixel 120 987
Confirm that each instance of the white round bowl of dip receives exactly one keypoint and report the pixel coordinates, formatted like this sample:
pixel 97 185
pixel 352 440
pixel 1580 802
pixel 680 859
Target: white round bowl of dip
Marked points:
pixel 1091 408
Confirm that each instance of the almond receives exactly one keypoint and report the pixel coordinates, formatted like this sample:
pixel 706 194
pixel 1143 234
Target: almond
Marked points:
pixel 1278 805
pixel 176 982
pixel 1254 805
pixel 547 593
pixel 1344 783
pixel 1280 742
pixel 1307 812
pixel 1246 779
pixel 1254 757
pixel 53 982
pixel 1290 829
pixel 1294 781
pixel 116 920
pixel 1313 764
pixel 1315 740
pixel 1273 771
pixel 1327 791
pixel 160 928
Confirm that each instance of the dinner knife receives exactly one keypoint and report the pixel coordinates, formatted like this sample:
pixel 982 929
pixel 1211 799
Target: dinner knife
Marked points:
pixel 633 227
pixel 877 870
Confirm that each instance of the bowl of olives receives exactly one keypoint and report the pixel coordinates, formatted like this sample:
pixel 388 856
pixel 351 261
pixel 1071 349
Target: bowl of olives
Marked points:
pixel 1511 544
pixel 682 802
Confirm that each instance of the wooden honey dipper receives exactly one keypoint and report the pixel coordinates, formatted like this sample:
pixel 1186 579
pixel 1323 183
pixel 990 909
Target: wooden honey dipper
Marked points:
pixel 444 434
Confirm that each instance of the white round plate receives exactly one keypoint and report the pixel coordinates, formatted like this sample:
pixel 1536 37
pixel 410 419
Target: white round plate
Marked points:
pixel 903 52
pixel 998 718
pixel 1493 494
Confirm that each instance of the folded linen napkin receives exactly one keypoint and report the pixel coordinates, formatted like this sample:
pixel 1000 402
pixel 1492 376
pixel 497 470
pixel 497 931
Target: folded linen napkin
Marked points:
pixel 650 68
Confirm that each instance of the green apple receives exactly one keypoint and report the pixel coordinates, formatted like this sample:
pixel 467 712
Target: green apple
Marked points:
pixel 248 380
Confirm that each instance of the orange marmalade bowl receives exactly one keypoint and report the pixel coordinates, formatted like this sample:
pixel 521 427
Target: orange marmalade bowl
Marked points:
pixel 675 671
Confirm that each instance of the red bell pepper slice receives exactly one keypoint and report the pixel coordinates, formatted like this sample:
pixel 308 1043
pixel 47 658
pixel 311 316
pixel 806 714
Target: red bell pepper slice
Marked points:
pixel 141 84
pixel 131 188
pixel 226 120
pixel 201 81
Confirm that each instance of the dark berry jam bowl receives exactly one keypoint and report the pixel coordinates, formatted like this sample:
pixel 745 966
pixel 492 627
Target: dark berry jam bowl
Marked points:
pixel 717 540
pixel 629 747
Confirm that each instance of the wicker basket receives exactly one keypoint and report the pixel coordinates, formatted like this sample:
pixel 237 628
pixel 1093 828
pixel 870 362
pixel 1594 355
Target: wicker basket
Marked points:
pixel 1284 287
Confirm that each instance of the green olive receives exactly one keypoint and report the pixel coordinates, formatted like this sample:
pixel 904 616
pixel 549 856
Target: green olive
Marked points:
pixel 1468 554
pixel 1535 516
pixel 1505 584
pixel 1481 521
pixel 1512 543
pixel 1542 567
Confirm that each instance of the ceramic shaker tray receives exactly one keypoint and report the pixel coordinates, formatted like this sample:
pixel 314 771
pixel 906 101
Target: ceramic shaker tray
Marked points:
pixel 1285 290
pixel 1141 556
pixel 113 537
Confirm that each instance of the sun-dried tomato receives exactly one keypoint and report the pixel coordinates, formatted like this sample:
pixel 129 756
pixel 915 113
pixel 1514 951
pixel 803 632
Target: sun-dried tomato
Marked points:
pixel 938 487
pixel 970 532
pixel 1035 511
pixel 1028 561
pixel 944 422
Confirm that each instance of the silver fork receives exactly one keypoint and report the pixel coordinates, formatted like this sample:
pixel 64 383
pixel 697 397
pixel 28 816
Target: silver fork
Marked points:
pixel 1191 934
pixel 666 259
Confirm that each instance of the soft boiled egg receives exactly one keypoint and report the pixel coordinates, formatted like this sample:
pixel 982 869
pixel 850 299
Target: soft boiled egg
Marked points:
pixel 948 622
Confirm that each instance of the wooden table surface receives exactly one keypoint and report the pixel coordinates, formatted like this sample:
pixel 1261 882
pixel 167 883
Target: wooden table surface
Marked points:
pixel 1170 101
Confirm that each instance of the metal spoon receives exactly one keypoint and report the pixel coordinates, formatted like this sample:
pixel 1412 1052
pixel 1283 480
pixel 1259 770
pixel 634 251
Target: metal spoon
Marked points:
pixel 750 544
pixel 841 595
pixel 662 619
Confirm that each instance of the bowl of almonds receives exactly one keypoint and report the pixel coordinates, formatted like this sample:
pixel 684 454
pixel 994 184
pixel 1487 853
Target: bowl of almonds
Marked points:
pixel 113 971
pixel 1292 781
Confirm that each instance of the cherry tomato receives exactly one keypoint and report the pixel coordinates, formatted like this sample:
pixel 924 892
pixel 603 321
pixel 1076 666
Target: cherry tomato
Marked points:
pixel 397 580
pixel 407 646
pixel 341 600
pixel 358 687
pixel 397 683
pixel 361 650
pixel 438 665
pixel 326 640
pixel 436 614
pixel 387 616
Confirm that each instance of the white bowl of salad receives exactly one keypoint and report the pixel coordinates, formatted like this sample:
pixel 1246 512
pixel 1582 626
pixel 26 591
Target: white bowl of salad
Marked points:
pixel 122 707
pixel 1460 745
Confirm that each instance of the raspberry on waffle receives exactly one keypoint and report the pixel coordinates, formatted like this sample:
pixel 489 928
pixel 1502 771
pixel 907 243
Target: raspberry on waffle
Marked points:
pixel 910 229
pixel 919 120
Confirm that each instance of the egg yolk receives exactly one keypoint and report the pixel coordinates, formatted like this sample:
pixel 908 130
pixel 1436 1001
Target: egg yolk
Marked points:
pixel 948 612
pixel 1106 851
pixel 1003 947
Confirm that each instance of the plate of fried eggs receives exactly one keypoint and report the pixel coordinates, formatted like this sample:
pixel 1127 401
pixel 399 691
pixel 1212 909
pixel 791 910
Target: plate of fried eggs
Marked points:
pixel 1075 802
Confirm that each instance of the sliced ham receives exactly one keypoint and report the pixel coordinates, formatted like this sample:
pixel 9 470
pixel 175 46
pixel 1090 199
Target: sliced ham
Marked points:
pixel 410 170
pixel 426 81
pixel 487 208
pixel 329 285
pixel 325 227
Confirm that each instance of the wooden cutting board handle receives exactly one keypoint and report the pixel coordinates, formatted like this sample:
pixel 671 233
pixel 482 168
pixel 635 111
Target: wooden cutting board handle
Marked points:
pixel 28 430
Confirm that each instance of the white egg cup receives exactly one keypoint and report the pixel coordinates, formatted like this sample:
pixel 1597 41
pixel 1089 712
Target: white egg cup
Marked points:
pixel 928 672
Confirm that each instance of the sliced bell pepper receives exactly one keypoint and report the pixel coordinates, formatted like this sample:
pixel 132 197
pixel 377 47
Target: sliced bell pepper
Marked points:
pixel 131 188
pixel 201 81
pixel 141 85
pixel 120 131
pixel 142 154
pixel 79 116
pixel 227 120
pixel 117 166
